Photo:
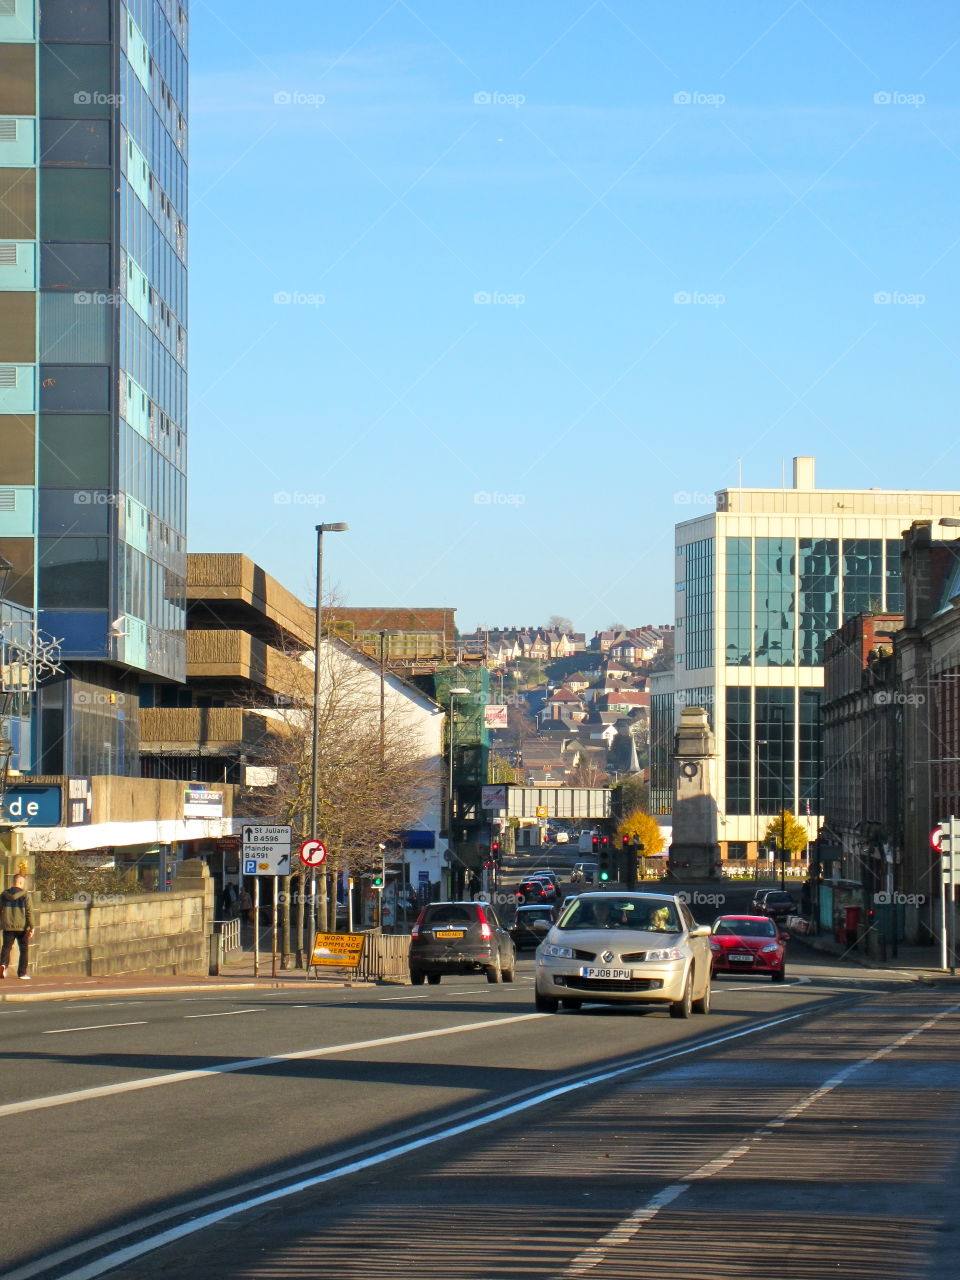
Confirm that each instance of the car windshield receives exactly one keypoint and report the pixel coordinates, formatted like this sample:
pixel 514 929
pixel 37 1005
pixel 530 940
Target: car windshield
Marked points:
pixel 746 928
pixel 538 913
pixel 773 898
pixel 621 913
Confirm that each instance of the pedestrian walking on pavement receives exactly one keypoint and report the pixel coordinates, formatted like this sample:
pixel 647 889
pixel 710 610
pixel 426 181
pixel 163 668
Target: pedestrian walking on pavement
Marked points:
pixel 16 921
pixel 245 904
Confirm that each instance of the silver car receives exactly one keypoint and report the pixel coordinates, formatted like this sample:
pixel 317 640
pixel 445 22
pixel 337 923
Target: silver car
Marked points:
pixel 625 948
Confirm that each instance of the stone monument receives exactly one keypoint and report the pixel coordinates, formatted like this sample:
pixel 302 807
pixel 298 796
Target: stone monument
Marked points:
pixel 694 851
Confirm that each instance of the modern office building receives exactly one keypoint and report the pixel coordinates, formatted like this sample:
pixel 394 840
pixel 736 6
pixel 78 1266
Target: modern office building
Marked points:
pixel 760 583
pixel 93 190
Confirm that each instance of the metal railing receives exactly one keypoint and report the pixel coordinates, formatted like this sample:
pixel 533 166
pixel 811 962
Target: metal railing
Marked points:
pixel 228 932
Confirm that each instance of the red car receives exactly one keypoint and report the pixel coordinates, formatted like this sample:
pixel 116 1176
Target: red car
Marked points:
pixel 748 944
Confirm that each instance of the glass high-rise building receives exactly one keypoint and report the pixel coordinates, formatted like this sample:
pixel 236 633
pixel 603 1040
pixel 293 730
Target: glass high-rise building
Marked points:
pixel 93 321
pixel 760 583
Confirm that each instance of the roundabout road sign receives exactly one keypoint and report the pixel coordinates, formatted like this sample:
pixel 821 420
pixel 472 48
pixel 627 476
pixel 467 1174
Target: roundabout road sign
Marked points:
pixel 313 852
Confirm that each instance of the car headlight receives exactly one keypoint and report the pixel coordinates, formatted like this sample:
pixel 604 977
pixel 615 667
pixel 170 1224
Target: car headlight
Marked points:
pixel 715 946
pixel 559 953
pixel 771 946
pixel 669 953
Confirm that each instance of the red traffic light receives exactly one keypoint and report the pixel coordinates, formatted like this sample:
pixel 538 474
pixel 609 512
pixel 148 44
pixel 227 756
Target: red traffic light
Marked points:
pixel 495 846
pixel 626 842
pixel 595 841
pixel 604 840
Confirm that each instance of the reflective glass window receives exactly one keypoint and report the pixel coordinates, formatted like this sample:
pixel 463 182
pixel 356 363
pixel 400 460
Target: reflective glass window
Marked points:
pixel 698 557
pixel 75 142
pixel 75 204
pixel 73 267
pixel 75 450
pixel 73 573
pixel 739 594
pixel 894 601
pixel 775 750
pixel 808 745
pixel 75 20
pixel 774 601
pixel 74 387
pixel 819 591
pixel 69 511
pixel 75 81
pixel 738 754
pixel 862 576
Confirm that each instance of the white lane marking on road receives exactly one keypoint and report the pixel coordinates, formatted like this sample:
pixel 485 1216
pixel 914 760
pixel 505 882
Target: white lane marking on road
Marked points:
pixel 120 1256
pixel 246 1064
pixel 627 1228
pixel 227 1013
pixel 99 1026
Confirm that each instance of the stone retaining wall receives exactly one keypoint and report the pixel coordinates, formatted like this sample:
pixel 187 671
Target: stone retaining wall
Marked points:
pixel 112 934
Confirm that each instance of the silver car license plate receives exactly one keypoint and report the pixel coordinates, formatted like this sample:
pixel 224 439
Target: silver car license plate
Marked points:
pixel 740 955
pixel 589 971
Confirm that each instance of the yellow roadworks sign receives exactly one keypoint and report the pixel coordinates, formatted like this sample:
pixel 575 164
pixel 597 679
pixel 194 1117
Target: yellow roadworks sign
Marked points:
pixel 342 950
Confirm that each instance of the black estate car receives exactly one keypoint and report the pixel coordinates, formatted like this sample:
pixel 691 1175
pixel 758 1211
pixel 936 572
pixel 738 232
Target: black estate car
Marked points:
pixel 460 937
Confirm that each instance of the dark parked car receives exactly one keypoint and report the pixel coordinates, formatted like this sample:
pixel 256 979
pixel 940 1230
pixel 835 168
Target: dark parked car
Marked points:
pixel 460 937
pixel 531 925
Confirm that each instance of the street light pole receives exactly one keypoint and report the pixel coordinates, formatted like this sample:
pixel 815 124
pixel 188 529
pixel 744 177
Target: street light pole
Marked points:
pixel 315 759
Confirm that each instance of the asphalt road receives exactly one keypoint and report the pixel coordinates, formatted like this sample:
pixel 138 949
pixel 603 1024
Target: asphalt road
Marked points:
pixel 454 1132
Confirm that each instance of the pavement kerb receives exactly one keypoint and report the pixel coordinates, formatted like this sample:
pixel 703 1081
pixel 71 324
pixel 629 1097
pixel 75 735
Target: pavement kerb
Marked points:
pixel 34 996
pixel 827 946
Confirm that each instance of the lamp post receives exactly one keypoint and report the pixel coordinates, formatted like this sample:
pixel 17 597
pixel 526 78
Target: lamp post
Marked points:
pixel 315 758
pixel 459 692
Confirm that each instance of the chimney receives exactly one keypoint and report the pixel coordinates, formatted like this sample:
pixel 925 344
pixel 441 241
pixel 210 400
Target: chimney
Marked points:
pixel 803 473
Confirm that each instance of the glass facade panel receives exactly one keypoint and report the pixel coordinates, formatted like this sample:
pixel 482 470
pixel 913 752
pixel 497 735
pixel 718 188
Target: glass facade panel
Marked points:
pixel 774 602
pixel 862 576
pixel 73 267
pixel 73 573
pixel 894 600
pixel 75 142
pixel 738 754
pixel 75 204
pixel 66 511
pixel 83 388
pixel 75 81
pixel 75 451
pixel 808 742
pixel 698 560
pixel 819 603
pixel 739 595
pixel 75 20
pixel 775 750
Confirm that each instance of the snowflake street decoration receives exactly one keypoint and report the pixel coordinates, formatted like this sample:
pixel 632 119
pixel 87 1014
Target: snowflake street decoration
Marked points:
pixel 27 662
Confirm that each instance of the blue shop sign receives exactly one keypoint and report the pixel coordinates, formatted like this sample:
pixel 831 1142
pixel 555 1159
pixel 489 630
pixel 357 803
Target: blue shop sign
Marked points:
pixel 417 839
pixel 34 806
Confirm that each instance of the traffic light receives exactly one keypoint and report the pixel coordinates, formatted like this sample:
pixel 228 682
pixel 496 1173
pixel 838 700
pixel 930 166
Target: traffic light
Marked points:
pixel 377 880
pixel 494 851
pixel 605 861
pixel 596 843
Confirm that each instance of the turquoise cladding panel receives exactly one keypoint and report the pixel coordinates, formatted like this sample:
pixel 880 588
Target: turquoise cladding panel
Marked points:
pixel 18 142
pixel 18 265
pixel 75 329
pixel 17 508
pixel 17 21
pixel 18 388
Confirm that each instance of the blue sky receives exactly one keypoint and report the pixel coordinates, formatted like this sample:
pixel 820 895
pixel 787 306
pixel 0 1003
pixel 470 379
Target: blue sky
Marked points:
pixel 436 254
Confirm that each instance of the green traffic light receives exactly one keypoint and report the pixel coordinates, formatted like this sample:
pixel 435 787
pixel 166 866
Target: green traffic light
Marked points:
pixel 604 875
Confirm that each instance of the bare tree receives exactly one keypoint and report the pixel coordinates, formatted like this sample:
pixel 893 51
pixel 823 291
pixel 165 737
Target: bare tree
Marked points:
pixel 557 622
pixel 373 772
